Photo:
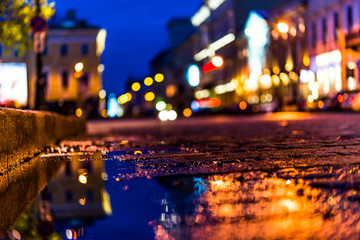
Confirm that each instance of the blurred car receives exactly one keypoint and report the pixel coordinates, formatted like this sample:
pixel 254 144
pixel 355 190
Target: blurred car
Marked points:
pixel 346 100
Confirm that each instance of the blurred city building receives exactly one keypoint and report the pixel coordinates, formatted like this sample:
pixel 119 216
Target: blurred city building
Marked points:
pixel 72 66
pixel 333 36
pixel 259 56
pixel 287 56
pixel 72 69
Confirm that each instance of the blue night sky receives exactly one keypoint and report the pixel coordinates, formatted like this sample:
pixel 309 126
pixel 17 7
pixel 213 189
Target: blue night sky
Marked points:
pixel 136 32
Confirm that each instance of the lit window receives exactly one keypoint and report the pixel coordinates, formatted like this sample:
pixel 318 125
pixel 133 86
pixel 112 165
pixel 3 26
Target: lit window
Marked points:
pixel 64 50
pixel 84 49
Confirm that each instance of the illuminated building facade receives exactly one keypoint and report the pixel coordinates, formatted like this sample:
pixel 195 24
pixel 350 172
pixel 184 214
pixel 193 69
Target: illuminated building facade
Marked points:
pixel 276 54
pixel 71 86
pixel 221 25
pixel 333 37
pixel 287 55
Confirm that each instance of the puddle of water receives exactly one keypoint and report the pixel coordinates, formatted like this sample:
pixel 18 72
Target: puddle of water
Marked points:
pixel 136 192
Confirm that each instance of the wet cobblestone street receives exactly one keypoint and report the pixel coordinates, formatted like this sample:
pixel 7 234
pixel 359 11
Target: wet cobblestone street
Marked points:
pixel 278 176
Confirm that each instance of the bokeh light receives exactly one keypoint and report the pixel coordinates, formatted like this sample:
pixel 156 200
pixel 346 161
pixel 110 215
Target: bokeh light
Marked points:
pixel 149 96
pixel 135 86
pixel 243 105
pixel 282 27
pixel 79 67
pixel 187 112
pixel 217 61
pixel 159 77
pixel 148 81
pixel 78 112
pixel 102 94
pixel 161 105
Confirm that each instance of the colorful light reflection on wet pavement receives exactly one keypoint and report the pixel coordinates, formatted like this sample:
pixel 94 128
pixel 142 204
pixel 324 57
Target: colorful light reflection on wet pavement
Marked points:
pixel 307 203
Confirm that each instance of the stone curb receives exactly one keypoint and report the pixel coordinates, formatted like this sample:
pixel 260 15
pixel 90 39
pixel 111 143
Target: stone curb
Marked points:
pixel 24 133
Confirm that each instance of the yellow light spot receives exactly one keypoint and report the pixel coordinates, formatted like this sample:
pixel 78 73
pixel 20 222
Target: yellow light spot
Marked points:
pixel 123 142
pixel 104 113
pixel 78 112
pixel 159 77
pixel 276 80
pixel 102 94
pixel 289 66
pixel 293 76
pixel 82 201
pixel 79 67
pixel 276 70
pixel 82 179
pixel 138 152
pixel 101 68
pixel 284 78
pixel 122 99
pixel 148 81
pixel 128 96
pixel 320 104
pixel 149 96
pixel 243 105
pixel 187 112
pixel 306 60
pixel 282 27
pixel 135 86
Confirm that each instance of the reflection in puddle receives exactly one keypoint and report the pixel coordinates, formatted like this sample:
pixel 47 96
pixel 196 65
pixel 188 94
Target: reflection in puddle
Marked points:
pixel 257 206
pixel 150 203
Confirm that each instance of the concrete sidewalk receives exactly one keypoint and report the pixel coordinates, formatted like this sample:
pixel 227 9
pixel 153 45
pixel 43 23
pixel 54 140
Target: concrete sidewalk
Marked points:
pixel 24 133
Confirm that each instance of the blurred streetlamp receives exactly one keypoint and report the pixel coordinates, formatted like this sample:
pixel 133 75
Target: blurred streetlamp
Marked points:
pixel 39 26
pixel 282 27
pixel 79 67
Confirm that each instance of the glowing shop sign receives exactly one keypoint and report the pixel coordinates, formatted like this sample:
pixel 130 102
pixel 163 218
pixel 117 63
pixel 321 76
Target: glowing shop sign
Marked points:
pixel 193 75
pixel 13 84
pixel 256 31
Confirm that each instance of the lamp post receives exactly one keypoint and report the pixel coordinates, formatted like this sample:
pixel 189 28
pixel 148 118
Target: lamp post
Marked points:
pixel 39 26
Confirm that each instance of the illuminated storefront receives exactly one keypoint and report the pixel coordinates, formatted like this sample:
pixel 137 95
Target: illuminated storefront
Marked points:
pixel 327 70
pixel 13 84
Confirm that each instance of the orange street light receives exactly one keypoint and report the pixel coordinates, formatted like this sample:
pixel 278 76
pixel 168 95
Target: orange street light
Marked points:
pixel 282 27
